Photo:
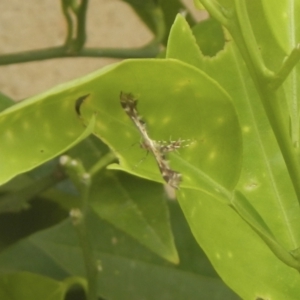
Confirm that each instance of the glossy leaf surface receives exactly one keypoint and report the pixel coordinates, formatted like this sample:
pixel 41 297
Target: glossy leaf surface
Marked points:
pixel 264 181
pixel 183 95
pixel 188 90
pixel 283 20
pixel 31 136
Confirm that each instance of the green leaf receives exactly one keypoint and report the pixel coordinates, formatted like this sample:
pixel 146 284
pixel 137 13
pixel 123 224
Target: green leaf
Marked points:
pixel 183 93
pixel 159 15
pixel 198 5
pixel 224 5
pixel 264 181
pixel 209 36
pixel 145 10
pixel 271 51
pixel 152 15
pixel 237 253
pixel 135 271
pixel 25 189
pixel 248 213
pixel 41 214
pixel 28 286
pixel 180 37
pixel 92 146
pixel 281 22
pixel 270 24
pixel 89 151
pixel 170 9
pixel 32 135
pixel 122 201
pixel 283 19
pixel 5 102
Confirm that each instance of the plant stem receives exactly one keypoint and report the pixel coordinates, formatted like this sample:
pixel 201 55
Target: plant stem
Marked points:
pixel 250 41
pixel 240 28
pixel 75 15
pixel 103 162
pixel 286 68
pixel 65 9
pixel 215 10
pixel 159 22
pixel 243 207
pixel 81 24
pixel 279 124
pixel 61 52
pixel 270 100
pixel 79 221
pixel 82 180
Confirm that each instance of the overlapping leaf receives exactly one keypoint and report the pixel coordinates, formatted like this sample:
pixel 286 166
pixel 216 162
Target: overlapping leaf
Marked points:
pixel 264 181
pixel 283 18
pixel 170 93
pixel 122 201
pixel 28 286
pixel 37 130
pixel 129 271
pixel 176 100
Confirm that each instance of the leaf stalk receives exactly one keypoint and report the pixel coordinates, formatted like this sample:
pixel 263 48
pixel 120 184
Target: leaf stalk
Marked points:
pixel 82 181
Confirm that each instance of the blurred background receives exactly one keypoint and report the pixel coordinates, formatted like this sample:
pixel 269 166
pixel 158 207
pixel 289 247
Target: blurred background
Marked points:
pixel 31 24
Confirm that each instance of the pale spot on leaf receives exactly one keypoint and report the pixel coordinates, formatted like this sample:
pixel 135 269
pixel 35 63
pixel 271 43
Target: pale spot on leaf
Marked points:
pixel 26 125
pixel 220 120
pixel 212 155
pixel 65 104
pixel 181 84
pixel 246 129
pixel 102 126
pixel 193 213
pixel 9 134
pixel 128 134
pixel 166 120
pixel 47 134
pixel 250 186
pixel 187 178
pixel 70 133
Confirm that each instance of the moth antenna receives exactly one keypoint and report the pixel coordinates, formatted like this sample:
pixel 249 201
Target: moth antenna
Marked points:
pixel 141 160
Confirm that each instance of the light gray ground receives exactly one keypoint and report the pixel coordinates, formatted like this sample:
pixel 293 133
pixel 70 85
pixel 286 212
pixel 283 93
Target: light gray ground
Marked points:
pixel 32 24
